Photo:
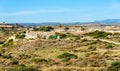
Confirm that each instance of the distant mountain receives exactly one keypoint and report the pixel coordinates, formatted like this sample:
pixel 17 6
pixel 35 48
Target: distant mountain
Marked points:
pixel 100 22
pixel 50 24
pixel 108 21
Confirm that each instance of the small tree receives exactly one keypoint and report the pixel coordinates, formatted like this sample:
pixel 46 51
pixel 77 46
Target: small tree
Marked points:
pixel 60 25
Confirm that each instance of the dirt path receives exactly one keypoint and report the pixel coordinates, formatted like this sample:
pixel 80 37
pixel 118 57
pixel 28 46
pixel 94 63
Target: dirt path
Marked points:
pixel 104 40
pixel 117 43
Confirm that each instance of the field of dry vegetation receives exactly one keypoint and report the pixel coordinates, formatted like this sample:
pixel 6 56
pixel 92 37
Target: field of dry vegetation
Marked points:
pixel 92 51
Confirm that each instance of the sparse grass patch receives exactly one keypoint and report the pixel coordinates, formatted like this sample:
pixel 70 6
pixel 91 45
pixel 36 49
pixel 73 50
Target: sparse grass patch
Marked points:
pixel 109 46
pixel 20 36
pixel 67 56
pixel 61 35
pixel 98 34
pixel 1 42
pixel 66 53
pixel 38 60
pixel 22 69
pixel 43 28
pixel 91 48
pixel 9 43
pixel 84 40
pixel 115 66
pixel 7 56
pixel 24 56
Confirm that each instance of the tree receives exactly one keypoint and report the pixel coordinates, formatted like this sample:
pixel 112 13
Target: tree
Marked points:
pixel 60 25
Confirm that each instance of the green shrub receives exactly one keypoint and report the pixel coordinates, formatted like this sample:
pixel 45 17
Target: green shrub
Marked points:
pixel 84 40
pixel 67 56
pixel 15 62
pixel 61 35
pixel 98 34
pixel 20 65
pixel 109 46
pixel 0 54
pixel 20 36
pixel 1 42
pixel 43 28
pixel 92 48
pixel 9 43
pixel 37 60
pixel 22 68
pixel 66 28
pixel 24 56
pixel 60 25
pixel 82 28
pixel 7 56
pixel 115 66
pixel 2 50
pixel 53 37
pixel 67 35
pixel 48 28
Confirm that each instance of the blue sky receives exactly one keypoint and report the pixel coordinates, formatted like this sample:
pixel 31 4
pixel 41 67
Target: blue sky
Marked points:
pixel 58 10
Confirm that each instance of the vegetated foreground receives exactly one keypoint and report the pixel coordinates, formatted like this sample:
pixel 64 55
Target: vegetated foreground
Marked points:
pixel 60 51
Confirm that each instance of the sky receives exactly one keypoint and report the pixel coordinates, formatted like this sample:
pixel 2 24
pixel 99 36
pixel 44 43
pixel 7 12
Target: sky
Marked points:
pixel 35 11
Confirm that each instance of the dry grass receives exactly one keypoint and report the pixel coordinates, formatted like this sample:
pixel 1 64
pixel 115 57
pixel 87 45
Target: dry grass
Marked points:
pixel 92 54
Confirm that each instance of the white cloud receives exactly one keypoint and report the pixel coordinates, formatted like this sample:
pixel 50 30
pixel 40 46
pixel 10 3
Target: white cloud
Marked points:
pixel 39 11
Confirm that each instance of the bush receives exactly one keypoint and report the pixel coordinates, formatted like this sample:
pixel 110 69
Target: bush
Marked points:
pixel 0 54
pixel 115 66
pixel 48 28
pixel 53 37
pixel 20 65
pixel 98 34
pixel 22 68
pixel 14 62
pixel 20 36
pixel 43 28
pixel 67 56
pixel 1 42
pixel 66 28
pixel 109 46
pixel 84 40
pixel 61 35
pixel 60 25
pixel 91 48
pixel 24 56
pixel 7 56
pixel 37 60
pixel 9 43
